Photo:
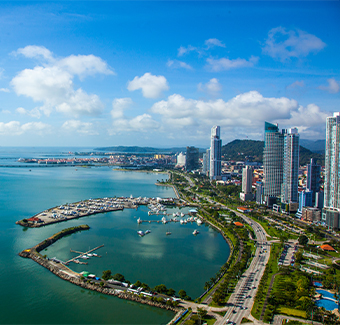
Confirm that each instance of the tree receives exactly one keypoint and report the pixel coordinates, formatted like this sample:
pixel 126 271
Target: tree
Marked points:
pixel 106 275
pixel 138 284
pixel 170 292
pixel 161 288
pixel 119 277
pixel 182 293
pixel 303 240
pixel 202 312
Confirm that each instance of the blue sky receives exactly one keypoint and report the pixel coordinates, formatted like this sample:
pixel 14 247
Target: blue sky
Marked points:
pixel 161 74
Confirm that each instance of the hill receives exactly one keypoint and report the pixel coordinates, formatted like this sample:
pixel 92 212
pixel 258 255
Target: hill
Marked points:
pixel 143 150
pixel 252 150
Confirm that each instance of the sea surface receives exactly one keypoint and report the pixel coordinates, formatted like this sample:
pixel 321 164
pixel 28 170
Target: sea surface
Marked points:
pixel 30 294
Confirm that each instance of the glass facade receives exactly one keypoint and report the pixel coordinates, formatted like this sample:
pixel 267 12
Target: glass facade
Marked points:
pixel 215 153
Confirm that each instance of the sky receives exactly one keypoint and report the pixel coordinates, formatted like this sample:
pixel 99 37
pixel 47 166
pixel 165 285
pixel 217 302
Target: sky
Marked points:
pixel 162 74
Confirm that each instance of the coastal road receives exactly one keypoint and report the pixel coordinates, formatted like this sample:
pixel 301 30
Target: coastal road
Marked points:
pixel 242 299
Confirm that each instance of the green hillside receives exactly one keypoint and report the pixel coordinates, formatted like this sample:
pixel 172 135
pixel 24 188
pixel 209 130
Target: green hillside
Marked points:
pixel 252 150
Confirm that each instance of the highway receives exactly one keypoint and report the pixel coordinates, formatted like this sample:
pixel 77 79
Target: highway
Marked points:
pixel 242 299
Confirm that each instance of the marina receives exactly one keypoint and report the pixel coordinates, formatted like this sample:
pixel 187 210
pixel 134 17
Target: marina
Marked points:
pixel 85 255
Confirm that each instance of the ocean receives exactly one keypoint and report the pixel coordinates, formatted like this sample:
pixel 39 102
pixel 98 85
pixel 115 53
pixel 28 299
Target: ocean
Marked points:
pixel 33 295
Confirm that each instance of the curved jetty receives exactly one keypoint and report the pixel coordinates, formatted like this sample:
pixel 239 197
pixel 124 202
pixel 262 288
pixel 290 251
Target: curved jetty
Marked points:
pixel 61 270
pixel 86 208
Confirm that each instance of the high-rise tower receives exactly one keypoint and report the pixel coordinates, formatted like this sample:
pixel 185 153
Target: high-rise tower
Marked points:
pixel 313 179
pixel 289 190
pixel 247 182
pixel 215 153
pixel 330 213
pixel 272 162
pixel 332 163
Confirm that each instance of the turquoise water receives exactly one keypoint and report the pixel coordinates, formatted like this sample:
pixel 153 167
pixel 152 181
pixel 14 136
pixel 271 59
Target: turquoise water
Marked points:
pixel 33 295
pixel 326 303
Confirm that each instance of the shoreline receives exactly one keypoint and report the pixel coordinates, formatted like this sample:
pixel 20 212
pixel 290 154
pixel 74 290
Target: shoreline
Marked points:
pixel 65 273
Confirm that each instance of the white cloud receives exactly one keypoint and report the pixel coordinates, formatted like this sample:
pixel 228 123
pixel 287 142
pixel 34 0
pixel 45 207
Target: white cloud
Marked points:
pixel 35 112
pixel 211 42
pixel 212 87
pixel 140 123
pixel 34 51
pixel 83 128
pixel 119 105
pixel 4 90
pixel 151 85
pixel 296 84
pixel 184 50
pixel 175 64
pixel 333 87
pixel 85 65
pixel 227 64
pixel 15 128
pixel 52 83
pixel 282 44
pixel 245 113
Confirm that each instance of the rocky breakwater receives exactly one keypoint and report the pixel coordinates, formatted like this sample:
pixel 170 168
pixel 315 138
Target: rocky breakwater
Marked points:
pixel 63 272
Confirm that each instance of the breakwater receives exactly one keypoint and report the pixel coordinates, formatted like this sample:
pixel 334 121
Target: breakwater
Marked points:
pixel 65 273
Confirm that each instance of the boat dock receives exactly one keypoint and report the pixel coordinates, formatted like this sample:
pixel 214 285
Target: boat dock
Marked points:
pixel 81 254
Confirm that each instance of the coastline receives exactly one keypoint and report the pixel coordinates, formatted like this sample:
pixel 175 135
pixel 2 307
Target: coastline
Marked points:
pixel 65 273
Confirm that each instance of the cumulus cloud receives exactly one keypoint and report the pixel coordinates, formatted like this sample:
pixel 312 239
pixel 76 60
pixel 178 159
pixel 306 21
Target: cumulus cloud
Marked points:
pixel 35 112
pixel 152 86
pixel 211 42
pixel 246 111
pixel 212 87
pixel 175 64
pixel 140 123
pixel 15 128
pixel 227 64
pixel 52 83
pixel 34 51
pixel 83 128
pixel 119 105
pixel 283 44
pixel 333 87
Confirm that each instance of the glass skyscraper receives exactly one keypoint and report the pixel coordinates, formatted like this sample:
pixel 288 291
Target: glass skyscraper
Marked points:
pixel 215 153
pixel 272 161
pixel 332 163
pixel 289 190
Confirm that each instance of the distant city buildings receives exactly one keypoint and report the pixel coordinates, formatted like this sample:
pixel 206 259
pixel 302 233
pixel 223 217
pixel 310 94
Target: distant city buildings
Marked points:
pixel 330 214
pixel 192 159
pixel 206 162
pixel 215 153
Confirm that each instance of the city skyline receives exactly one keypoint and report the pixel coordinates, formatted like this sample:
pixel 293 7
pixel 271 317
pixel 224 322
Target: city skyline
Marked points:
pixel 160 74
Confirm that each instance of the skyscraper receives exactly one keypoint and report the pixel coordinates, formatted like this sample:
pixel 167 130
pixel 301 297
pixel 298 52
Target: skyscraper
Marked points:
pixel 215 153
pixel 332 162
pixel 289 190
pixel 313 178
pixel 206 162
pixel 272 162
pixel 191 162
pixel 247 182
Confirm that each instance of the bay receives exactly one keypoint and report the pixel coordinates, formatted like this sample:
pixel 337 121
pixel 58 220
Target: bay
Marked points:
pixel 32 295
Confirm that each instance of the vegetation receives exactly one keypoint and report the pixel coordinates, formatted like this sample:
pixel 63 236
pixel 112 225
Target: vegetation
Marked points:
pixel 253 151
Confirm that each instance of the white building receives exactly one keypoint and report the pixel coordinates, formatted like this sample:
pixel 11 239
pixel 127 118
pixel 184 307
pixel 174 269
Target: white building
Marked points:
pixel 247 181
pixel 181 160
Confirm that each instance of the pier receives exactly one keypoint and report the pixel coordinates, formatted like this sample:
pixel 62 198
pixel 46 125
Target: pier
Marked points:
pixel 82 254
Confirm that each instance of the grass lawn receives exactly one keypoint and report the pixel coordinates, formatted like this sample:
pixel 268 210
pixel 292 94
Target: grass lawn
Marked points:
pixel 292 312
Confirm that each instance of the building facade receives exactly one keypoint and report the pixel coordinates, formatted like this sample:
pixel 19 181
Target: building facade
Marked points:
pixel 330 214
pixel 192 159
pixel 272 162
pixel 247 182
pixel 206 162
pixel 313 178
pixel 290 179
pixel 215 153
